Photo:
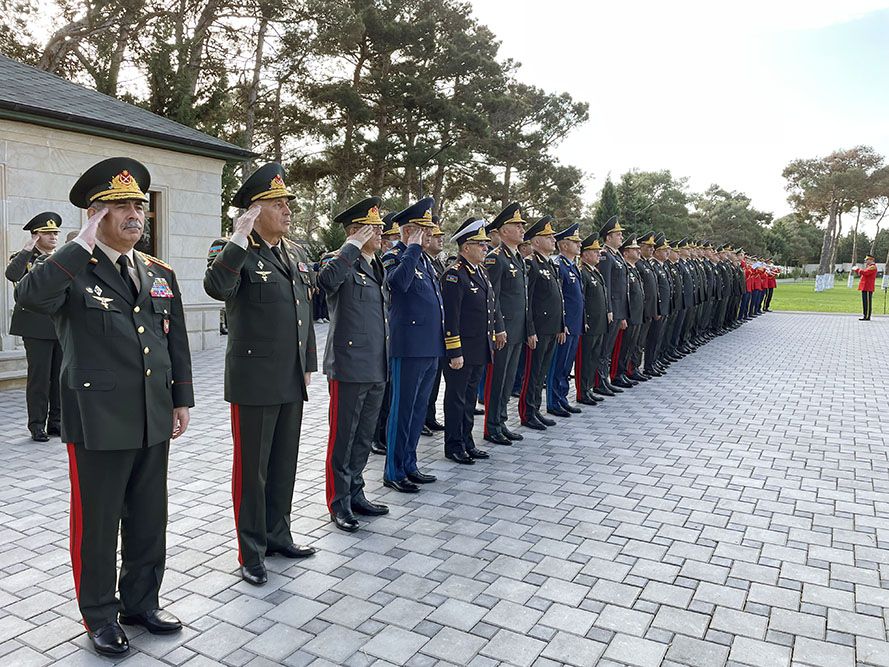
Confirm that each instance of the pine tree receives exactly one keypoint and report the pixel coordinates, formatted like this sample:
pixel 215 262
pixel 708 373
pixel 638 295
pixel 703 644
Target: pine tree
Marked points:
pixel 607 207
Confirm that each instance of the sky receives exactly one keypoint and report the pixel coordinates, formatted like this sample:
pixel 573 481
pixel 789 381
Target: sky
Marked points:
pixel 718 92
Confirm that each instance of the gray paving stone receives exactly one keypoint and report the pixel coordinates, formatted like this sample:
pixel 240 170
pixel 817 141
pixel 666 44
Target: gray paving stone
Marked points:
pixel 512 648
pixel 453 646
pixel 635 651
pixel 395 644
pixel 757 653
pixel 569 649
pixel 696 653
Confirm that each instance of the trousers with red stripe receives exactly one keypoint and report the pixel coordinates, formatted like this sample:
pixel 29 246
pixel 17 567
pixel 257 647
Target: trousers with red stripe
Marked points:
pixel 117 492
pixel 352 418
pixel 498 385
pixel 266 447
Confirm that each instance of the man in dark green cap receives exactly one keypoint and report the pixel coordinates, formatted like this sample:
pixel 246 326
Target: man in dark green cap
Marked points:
pixel 595 321
pixel 42 349
pixel 266 282
pixel 126 392
pixel 355 360
pixel 629 339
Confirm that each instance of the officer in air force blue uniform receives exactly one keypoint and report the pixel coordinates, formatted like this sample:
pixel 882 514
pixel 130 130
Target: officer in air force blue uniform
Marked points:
pixel 572 292
pixel 416 325
pixel 469 333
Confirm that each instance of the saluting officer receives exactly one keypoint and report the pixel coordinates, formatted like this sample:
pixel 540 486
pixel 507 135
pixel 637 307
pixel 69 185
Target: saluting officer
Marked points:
pixel 42 349
pixel 572 293
pixel 614 272
pixel 469 334
pixel 416 323
pixel 509 277
pixel 126 392
pixel 266 284
pixel 595 322
pixel 546 321
pixel 355 360
pixel 432 248
pixel 388 238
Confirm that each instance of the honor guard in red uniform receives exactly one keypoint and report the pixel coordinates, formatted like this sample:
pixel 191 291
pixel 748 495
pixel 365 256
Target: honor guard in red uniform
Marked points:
pixel 867 277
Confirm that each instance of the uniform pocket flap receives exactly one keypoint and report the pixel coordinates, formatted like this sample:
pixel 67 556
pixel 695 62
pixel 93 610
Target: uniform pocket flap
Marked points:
pixel 247 348
pixel 161 306
pixel 91 380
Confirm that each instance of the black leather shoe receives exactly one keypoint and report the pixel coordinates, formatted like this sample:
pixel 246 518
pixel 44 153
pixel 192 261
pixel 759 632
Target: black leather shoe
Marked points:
pixel 366 508
pixel 254 574
pixel 612 388
pixel 601 390
pixel 110 639
pixel 345 521
pixel 498 439
pixel 619 381
pixel 534 423
pixel 593 397
pixel 638 377
pixel 39 435
pixel 587 401
pixel 478 411
pixel 512 435
pixel 156 621
pixel 627 378
pixel 378 448
pixel 573 410
pixel 425 430
pixel 402 486
pixel 460 457
pixel 477 453
pixel 558 412
pixel 291 551
pixel 434 425
pixel 546 421
pixel 420 477
pixel 54 431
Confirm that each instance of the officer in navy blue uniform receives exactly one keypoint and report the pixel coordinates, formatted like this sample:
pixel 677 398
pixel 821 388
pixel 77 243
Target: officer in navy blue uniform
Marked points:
pixel 546 321
pixel 572 292
pixel 432 249
pixel 509 276
pixel 355 360
pixel 469 334
pixel 614 272
pixel 416 326
pixel 389 237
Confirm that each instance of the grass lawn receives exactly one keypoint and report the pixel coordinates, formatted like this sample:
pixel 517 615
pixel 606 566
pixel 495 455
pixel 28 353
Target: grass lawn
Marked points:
pixel 801 295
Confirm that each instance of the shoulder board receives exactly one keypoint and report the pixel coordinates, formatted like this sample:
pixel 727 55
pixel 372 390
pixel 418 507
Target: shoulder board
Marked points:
pixel 149 260
pixel 293 245
pixel 494 251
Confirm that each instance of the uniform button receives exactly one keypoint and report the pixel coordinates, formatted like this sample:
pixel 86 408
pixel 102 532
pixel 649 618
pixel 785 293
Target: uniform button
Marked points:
pixel 299 342
pixel 249 351
pixel 293 281
pixel 297 302
pixel 165 311
pixel 299 322
pixel 413 321
pixel 148 372
pixel 136 309
pixel 141 329
pixel 146 350
pixel 350 342
pixel 87 384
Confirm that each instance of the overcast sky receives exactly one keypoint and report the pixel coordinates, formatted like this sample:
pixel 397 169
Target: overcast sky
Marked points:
pixel 720 94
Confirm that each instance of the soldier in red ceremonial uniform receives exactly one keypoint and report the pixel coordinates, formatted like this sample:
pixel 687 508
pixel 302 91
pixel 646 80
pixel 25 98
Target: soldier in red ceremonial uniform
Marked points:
pixel 867 277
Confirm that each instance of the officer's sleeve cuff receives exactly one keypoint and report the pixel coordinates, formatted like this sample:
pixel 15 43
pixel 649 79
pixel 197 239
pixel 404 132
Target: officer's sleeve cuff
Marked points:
pixel 452 342
pixel 239 239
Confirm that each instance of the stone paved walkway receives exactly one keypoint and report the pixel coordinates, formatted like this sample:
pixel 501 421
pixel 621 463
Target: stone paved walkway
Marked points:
pixel 733 513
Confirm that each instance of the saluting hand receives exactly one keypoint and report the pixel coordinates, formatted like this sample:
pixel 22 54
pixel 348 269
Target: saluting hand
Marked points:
pixel 500 340
pixel 416 236
pixel 244 223
pixel 456 363
pixel 362 235
pixel 30 244
pixel 88 233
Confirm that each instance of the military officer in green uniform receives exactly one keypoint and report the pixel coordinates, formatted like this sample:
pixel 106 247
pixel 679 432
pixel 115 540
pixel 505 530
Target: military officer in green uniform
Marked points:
pixel 42 349
pixel 635 313
pixel 595 321
pixel 266 283
pixel 355 360
pixel 126 392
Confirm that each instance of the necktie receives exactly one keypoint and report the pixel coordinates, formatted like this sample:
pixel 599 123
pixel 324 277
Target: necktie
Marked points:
pixel 124 265
pixel 276 250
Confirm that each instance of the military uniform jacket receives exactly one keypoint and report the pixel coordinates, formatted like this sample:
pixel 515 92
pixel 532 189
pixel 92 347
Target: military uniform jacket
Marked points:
pixel 595 301
pixel 675 286
pixel 26 323
pixel 469 313
pixel 271 337
pixel 614 271
pixel 416 314
pixel 572 293
pixel 509 278
pixel 649 287
pixel 126 362
pixel 545 304
pixel 637 296
pixel 358 301
pixel 664 287
pixel 688 285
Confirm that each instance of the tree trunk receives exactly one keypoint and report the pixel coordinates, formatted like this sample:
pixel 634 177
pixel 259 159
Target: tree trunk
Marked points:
pixel 346 167
pixel 827 243
pixel 253 90
pixel 855 235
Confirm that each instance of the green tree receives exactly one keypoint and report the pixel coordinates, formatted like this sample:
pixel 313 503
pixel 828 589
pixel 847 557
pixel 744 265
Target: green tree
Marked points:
pixel 607 207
